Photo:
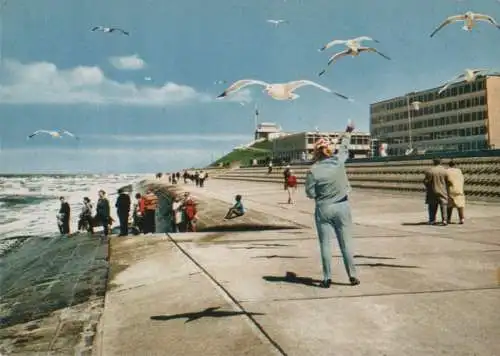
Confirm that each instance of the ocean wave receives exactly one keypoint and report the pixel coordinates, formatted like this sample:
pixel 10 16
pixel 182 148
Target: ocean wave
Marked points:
pixel 29 204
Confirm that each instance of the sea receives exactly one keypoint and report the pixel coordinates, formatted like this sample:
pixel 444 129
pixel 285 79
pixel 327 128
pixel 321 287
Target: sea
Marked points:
pixel 29 203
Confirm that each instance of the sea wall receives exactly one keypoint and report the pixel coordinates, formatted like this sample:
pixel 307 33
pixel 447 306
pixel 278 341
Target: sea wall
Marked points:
pixel 52 292
pixel 482 175
pixel 211 211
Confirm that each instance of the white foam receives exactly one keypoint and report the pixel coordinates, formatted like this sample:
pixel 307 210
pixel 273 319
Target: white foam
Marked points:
pixel 39 218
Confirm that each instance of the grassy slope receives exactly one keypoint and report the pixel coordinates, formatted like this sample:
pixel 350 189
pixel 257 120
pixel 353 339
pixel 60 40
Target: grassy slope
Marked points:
pixel 246 156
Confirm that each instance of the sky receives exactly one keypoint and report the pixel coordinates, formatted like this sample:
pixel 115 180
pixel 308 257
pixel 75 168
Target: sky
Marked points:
pixel 57 74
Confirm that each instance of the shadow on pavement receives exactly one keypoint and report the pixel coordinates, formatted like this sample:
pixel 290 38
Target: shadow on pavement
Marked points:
pixel 373 257
pixel 278 256
pixel 209 312
pixel 291 277
pixel 385 265
pixel 415 223
pixel 242 227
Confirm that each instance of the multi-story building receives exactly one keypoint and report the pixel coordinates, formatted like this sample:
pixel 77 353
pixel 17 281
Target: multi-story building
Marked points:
pixel 465 117
pixel 300 145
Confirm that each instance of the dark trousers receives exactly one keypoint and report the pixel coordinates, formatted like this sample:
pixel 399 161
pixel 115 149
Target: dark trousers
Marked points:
pixel 149 222
pixel 123 217
pixel 432 209
pixel 202 181
pixel 64 228
pixel 104 220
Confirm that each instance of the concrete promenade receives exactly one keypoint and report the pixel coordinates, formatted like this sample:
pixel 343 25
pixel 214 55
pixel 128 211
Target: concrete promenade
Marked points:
pixel 425 290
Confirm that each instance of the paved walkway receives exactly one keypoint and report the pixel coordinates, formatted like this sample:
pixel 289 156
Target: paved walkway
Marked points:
pixel 425 290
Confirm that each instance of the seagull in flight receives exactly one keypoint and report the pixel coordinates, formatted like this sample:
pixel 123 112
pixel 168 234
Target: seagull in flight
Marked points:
pixel 353 53
pixel 469 75
pixel 109 30
pixel 55 134
pixel 469 18
pixel 278 91
pixel 220 82
pixel 353 43
pixel 278 22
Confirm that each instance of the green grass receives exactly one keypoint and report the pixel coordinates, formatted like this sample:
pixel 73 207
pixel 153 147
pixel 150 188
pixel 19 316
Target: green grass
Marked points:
pixel 246 157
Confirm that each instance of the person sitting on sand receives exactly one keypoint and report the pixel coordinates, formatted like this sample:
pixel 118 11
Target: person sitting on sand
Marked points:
pixel 236 210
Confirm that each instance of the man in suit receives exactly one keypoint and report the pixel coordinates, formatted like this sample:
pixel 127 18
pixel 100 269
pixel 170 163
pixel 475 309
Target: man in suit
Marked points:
pixel 123 210
pixel 436 184
pixel 64 216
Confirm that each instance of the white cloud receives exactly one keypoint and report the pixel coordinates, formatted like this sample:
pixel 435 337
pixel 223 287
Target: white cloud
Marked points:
pixel 44 83
pixel 133 62
pixel 173 137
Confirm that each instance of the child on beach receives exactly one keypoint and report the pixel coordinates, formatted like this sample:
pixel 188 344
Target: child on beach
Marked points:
pixel 236 210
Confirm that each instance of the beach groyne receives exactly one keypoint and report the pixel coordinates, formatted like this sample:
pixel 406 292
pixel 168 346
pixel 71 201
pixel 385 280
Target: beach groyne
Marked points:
pixel 482 175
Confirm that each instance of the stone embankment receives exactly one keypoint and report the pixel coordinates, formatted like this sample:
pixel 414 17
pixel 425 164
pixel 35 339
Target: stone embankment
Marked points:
pixel 52 294
pixel 482 175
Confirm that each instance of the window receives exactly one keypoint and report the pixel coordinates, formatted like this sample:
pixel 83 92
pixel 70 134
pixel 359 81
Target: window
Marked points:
pixel 482 100
pixel 474 116
pixel 460 90
pixel 475 131
pixel 454 91
pixel 461 104
pixel 461 132
pixel 467 117
pixel 467 88
pixel 468 103
pixel 448 107
pixel 468 131
pixel 454 119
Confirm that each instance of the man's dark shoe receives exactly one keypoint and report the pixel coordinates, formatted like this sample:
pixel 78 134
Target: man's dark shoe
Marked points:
pixel 354 281
pixel 326 284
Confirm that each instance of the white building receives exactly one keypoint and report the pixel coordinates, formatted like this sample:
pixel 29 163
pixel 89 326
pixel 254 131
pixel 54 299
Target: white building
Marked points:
pixel 268 130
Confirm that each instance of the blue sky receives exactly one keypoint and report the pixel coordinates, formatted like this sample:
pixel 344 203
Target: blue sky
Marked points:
pixel 57 74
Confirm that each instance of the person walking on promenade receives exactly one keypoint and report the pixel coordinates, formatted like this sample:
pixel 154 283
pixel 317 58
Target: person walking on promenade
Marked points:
pixel 103 211
pixel 122 206
pixel 456 193
pixel 286 174
pixel 150 205
pixel 291 186
pixel 138 214
pixel 64 216
pixel 328 185
pixel 436 184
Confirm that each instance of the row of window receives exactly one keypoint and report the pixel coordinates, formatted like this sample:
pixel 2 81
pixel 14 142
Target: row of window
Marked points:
pixel 467 132
pixel 434 109
pixel 466 146
pixel 459 118
pixel 452 91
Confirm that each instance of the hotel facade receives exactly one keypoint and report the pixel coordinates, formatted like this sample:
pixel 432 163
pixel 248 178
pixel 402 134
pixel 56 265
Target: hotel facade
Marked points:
pixel 465 117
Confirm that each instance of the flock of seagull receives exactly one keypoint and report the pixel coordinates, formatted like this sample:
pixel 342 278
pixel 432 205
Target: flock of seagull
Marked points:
pixel 285 91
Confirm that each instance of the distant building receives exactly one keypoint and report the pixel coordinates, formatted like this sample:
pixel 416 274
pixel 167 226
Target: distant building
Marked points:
pixel 464 117
pixel 268 130
pixel 300 145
